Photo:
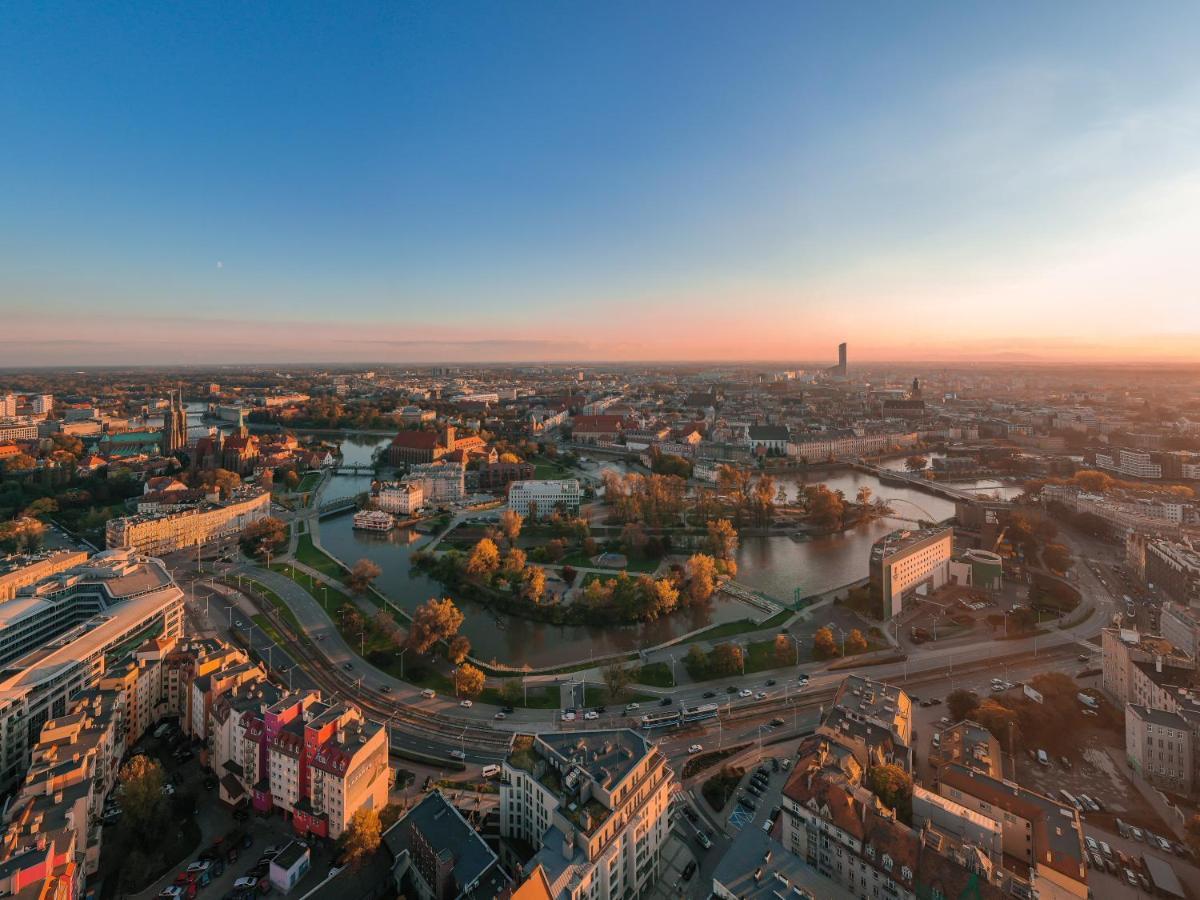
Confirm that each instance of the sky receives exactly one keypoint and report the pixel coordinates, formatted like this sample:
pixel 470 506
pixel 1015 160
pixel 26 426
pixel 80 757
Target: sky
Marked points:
pixel 516 181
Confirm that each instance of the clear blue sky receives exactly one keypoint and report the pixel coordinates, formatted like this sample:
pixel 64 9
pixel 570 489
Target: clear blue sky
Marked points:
pixel 403 181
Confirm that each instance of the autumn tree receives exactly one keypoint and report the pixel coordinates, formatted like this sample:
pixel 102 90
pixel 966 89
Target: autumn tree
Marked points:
pixel 633 538
pixel 1057 557
pixel 617 679
pixel 433 621
pixel 916 463
pixel 458 649
pixel 361 838
pixel 23 535
pixel 722 540
pixel 1093 482
pixel 510 525
pixel 386 624
pixel 362 574
pixel 785 652
pixel 855 642
pixel 533 584
pixel 469 680
pixel 511 691
pixel 701 570
pixel 696 660
pixel 863 497
pixel 726 659
pixel 961 704
pixel 999 719
pixel 142 799
pixel 824 646
pixel 894 787
pixel 514 562
pixel 262 537
pixel 484 559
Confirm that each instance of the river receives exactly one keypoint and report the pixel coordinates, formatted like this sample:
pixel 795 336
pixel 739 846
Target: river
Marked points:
pixel 777 566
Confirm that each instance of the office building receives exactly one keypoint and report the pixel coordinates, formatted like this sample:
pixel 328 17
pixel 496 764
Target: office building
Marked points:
pixel 207 521
pixel 595 806
pixel 541 498
pixel 13 429
pixel 20 571
pixel 58 635
pixel 908 563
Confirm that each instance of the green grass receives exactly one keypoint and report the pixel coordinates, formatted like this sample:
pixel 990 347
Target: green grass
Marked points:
pixel 654 674
pixel 281 608
pixel 314 558
pixel 308 483
pixel 741 626
pixel 268 629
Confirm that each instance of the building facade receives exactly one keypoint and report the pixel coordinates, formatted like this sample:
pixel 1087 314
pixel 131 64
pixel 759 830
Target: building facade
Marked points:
pixel 158 534
pixel 544 497
pixel 908 562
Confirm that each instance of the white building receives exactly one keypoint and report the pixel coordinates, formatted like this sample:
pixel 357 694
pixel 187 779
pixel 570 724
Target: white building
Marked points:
pixel 42 404
pixel 440 482
pixel 907 562
pixel 400 498
pixel 176 530
pixel 544 496
pixel 8 406
pixel 595 805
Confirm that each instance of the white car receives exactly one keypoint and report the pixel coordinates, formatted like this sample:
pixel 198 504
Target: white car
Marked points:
pixel 745 692
pixel 457 754
pixel 761 695
pixel 568 717
pixel 633 706
pixel 695 748
pixel 591 714
pixel 466 704
pixel 500 715
pixel 248 881
pixel 429 693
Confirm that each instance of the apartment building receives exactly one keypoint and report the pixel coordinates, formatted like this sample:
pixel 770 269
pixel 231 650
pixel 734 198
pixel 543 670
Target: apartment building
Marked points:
pixel 400 497
pixel 544 497
pixel 113 600
pixel 440 482
pixel 1143 669
pixel 207 521
pixel 17 572
pixel 499 475
pixel 1174 569
pixel 876 716
pixel 1158 746
pixel 318 762
pixel 1132 463
pixel 1037 831
pixel 594 804
pixel 818 448
pixel 907 562
pixel 49 838
pixel 14 429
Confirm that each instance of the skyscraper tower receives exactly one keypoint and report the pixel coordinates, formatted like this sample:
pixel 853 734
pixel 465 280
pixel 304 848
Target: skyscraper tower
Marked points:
pixel 842 359
pixel 174 433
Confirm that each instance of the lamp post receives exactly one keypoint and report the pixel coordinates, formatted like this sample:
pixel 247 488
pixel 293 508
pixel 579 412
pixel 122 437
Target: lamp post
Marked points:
pixel 403 650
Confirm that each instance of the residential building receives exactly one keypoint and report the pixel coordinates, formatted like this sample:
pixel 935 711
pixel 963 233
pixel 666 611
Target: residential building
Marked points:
pixel 1158 746
pixel 12 429
pixel 42 404
pixel 876 716
pixel 1143 669
pixel 400 498
pixel 770 439
pixel 1174 569
pixel 499 475
pixel 968 744
pixel 1133 463
pixel 907 563
pixel 17 572
pixel 595 806
pixel 440 856
pixel 317 761
pixel 207 521
pixel 758 867
pixel 1037 831
pixel 597 429
pixel 440 482
pixel 544 497
pixel 8 406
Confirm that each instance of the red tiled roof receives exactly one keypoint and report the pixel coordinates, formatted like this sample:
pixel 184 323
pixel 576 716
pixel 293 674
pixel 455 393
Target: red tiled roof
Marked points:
pixel 597 423
pixel 416 440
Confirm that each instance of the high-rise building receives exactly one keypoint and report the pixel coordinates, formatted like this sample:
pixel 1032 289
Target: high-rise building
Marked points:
pixel 174 433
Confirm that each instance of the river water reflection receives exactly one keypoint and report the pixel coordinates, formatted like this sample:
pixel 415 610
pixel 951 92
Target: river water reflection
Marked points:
pixel 778 566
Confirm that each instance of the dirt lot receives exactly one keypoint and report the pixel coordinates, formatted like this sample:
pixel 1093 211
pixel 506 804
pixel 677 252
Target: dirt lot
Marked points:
pixel 1093 772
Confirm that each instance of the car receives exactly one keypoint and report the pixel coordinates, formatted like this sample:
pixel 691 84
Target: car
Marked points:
pixel 689 870
pixel 770 682
pixel 777 722
pixel 568 716
pixel 1138 834
pixel 935 701
pixel 457 754
pixel 665 701
pixel 745 692
pixel 591 714
pixel 1066 763
pixel 631 707
pixel 802 678
pixel 247 881
pixel 708 695
pixel 201 865
pixel 466 704
pixel 761 695
pixel 1083 657
pixel 1106 849
pixel 1091 842
pixel 1131 879
pixel 347 666
pixel 507 710
pixel 500 715
pixel 748 803
pixel 601 710
pixel 690 814
pixel 385 688
pixel 695 748
pixel 703 840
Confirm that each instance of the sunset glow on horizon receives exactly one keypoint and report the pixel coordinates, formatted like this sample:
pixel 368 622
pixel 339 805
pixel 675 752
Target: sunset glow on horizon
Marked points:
pixel 616 182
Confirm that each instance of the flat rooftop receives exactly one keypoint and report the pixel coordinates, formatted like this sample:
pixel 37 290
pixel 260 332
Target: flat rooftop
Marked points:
pixel 604 755
pixel 905 539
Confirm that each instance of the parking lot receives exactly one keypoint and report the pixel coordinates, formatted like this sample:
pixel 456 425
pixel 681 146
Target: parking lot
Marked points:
pixel 232 845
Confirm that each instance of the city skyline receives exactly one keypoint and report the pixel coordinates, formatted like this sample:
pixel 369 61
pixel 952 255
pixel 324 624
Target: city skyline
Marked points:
pixel 493 184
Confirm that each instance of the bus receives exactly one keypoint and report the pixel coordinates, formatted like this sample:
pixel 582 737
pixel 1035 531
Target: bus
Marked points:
pixel 660 720
pixel 700 713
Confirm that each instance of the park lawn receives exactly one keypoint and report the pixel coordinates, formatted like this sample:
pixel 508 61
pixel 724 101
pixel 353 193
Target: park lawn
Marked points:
pixel 654 674
pixel 308 483
pixel 741 626
pixel 315 558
